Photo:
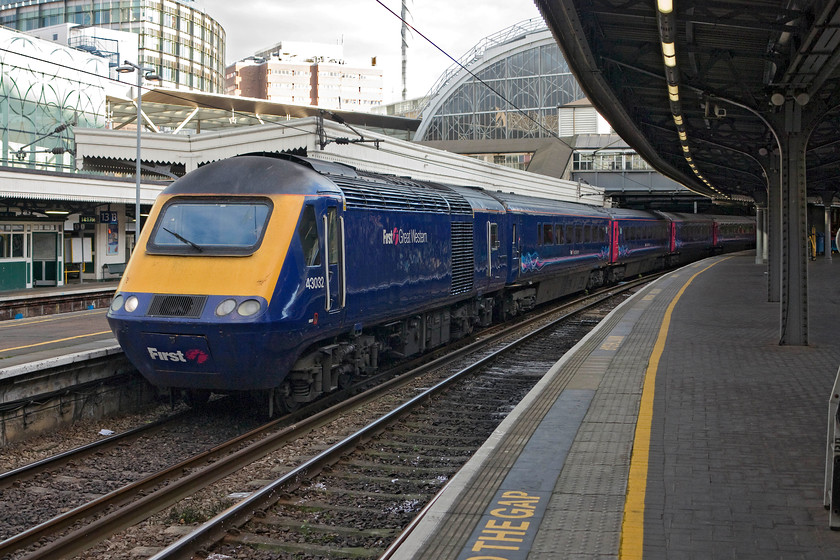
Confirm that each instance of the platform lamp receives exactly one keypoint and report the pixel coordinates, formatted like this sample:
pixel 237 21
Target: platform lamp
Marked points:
pixel 149 74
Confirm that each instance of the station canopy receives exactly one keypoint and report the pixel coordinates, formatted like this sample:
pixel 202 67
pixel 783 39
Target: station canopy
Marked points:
pixel 172 111
pixel 706 91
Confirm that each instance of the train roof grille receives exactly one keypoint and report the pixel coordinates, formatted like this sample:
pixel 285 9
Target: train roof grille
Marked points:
pixel 396 193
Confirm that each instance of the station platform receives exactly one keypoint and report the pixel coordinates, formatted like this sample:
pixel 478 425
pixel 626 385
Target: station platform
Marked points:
pixel 678 428
pixel 57 327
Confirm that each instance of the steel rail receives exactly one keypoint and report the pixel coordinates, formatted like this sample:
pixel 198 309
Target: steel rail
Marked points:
pixel 179 486
pixel 214 529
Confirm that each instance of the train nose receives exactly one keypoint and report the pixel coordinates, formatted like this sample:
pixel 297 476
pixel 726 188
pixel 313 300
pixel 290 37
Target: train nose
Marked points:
pixel 177 352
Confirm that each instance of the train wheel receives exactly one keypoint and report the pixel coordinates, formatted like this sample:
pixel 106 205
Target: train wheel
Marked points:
pixel 284 401
pixel 196 398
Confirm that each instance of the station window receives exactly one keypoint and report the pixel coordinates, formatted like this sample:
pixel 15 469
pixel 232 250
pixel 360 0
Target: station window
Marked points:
pixel 308 232
pixel 11 245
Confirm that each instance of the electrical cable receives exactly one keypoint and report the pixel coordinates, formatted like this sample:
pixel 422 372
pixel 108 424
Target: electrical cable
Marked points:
pixel 142 87
pixel 548 131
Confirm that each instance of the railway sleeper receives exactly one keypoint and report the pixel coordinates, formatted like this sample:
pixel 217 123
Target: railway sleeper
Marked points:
pixel 261 542
pixel 275 522
pixel 373 479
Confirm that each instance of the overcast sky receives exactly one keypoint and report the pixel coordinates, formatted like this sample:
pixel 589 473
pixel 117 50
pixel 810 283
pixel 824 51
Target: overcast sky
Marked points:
pixel 367 29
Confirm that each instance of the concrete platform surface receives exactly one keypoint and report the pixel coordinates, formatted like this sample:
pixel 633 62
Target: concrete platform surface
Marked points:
pixel 678 429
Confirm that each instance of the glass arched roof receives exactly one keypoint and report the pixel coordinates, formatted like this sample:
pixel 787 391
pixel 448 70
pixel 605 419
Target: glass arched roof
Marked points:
pixel 509 86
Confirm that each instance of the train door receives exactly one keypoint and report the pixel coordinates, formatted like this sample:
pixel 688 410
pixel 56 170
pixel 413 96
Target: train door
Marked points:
pixel 615 237
pixel 335 268
pixel 494 259
pixel 515 250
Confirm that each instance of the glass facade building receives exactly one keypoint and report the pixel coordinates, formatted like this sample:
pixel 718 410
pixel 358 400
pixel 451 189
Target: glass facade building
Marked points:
pixel 184 45
pixel 45 90
pixel 518 78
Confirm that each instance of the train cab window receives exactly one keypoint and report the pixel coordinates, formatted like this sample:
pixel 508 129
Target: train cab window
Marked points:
pixel 308 232
pixel 548 234
pixel 210 226
pixel 559 238
pixel 332 221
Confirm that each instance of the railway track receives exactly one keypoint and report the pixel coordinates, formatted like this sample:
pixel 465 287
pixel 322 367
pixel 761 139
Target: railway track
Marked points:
pixel 85 529
pixel 355 499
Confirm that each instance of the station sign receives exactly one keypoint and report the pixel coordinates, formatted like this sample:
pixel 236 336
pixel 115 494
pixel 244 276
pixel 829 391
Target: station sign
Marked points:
pixel 108 217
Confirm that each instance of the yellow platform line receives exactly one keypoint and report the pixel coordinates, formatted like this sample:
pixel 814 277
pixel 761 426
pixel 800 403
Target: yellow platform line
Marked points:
pixel 26 321
pixel 633 523
pixel 52 341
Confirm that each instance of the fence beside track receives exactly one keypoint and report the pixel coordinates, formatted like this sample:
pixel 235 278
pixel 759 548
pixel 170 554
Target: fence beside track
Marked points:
pixel 38 302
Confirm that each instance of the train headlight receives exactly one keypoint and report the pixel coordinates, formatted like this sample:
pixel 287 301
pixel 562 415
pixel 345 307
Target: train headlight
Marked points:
pixel 131 303
pixel 117 303
pixel 226 307
pixel 249 307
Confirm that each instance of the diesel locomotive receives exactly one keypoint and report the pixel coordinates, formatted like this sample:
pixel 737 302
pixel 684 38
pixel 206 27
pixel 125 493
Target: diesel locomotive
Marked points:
pixel 291 276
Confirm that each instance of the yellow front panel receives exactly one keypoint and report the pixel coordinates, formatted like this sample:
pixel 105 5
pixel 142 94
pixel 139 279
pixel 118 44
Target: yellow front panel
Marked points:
pixel 253 275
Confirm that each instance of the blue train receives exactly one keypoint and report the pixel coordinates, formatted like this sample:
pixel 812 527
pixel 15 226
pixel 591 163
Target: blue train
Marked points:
pixel 293 275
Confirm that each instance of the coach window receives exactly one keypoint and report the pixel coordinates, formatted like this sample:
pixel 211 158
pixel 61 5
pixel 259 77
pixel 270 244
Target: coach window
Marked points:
pixel 578 234
pixel 558 235
pixel 548 234
pixel 308 232
pixel 539 234
pixel 570 234
pixel 494 236
pixel 587 234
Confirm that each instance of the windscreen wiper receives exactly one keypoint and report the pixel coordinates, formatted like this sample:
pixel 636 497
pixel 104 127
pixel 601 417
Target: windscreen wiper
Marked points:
pixel 184 240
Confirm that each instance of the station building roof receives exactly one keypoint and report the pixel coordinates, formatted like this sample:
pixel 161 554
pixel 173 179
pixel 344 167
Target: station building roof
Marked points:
pixel 177 110
pixel 311 136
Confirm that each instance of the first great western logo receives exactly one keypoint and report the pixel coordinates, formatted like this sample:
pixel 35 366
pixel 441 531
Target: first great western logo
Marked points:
pixel 399 236
pixel 194 355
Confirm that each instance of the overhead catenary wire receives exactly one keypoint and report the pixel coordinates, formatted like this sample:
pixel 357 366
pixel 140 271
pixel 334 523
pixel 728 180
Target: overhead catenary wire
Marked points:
pixel 144 88
pixel 98 76
pixel 175 95
pixel 292 126
pixel 524 113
